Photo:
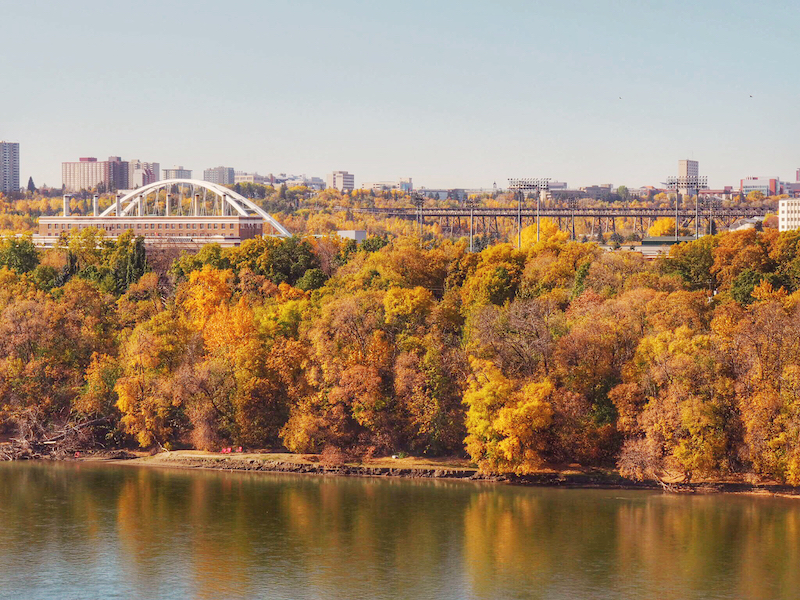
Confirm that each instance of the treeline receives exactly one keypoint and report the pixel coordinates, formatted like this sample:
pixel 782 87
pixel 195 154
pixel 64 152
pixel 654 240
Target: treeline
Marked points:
pixel 558 353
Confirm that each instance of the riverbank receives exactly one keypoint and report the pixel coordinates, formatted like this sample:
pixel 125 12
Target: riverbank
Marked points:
pixel 450 469
pixel 422 468
pixel 409 467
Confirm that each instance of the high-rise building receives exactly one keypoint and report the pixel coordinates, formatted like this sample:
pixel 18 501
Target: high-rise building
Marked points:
pixel 177 173
pixel 220 175
pixel 689 182
pixel 142 173
pixel 89 173
pixel 9 167
pixel 688 168
pixel 342 181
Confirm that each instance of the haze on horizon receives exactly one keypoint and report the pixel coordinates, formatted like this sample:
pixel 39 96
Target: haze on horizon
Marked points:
pixel 453 94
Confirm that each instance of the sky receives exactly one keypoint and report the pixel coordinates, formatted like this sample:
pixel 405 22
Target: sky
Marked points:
pixel 451 93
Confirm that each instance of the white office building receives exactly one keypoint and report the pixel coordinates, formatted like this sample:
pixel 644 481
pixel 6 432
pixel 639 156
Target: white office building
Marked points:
pixel 9 167
pixel 242 177
pixel 342 181
pixel 403 184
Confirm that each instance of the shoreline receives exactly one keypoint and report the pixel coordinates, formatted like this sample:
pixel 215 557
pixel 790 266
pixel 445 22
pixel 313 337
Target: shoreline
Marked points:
pixel 417 468
pixel 587 479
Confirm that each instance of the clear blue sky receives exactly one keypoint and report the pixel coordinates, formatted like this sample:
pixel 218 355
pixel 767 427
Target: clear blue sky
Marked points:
pixel 452 93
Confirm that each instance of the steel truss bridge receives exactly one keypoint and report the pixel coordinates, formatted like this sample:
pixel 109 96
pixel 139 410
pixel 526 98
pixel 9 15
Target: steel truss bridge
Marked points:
pixel 598 220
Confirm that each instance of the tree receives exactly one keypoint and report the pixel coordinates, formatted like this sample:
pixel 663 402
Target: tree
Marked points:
pixel 19 254
pixel 151 354
pixel 31 186
pixel 662 227
pixel 693 261
pixel 505 425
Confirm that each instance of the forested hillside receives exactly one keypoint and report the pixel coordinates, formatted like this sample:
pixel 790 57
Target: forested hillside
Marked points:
pixel 558 353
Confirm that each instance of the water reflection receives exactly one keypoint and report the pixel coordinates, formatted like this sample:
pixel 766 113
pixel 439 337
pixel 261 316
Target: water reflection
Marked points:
pixel 83 530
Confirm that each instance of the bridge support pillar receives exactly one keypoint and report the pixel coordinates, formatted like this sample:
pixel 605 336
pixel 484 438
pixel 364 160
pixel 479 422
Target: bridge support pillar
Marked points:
pixel 167 207
pixel 66 204
pixel 140 206
pixel 95 205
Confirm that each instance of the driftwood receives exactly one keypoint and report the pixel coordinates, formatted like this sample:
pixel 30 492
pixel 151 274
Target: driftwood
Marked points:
pixel 37 441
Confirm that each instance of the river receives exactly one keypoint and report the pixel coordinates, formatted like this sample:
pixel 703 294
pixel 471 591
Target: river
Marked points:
pixel 92 531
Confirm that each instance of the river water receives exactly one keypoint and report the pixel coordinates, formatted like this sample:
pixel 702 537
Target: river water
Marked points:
pixel 78 530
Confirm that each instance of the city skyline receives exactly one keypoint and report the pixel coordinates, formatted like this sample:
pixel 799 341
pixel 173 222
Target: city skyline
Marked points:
pixel 453 95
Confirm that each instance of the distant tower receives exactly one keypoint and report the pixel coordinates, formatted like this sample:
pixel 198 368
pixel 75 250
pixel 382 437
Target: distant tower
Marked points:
pixel 9 167
pixel 687 169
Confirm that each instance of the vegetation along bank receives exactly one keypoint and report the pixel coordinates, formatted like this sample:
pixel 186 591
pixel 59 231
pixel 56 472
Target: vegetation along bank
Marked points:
pixel 557 353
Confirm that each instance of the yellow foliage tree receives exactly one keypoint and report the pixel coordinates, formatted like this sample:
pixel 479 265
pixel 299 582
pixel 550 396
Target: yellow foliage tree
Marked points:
pixel 405 307
pixel 504 425
pixel 550 233
pixel 207 290
pixel 662 227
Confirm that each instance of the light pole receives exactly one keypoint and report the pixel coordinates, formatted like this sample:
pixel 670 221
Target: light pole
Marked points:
pixel 471 203
pixel 417 200
pixel 537 184
pixel 690 183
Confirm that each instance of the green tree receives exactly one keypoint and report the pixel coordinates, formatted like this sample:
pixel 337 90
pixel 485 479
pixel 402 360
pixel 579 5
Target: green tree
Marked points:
pixel 18 254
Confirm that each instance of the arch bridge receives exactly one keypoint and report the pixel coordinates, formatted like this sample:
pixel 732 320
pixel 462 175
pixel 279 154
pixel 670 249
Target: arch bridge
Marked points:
pixel 180 212
pixel 188 197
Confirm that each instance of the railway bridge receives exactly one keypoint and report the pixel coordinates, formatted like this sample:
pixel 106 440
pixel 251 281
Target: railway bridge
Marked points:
pixel 462 220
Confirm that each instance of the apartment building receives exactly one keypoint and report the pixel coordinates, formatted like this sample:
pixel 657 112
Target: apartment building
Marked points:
pixel 142 173
pixel 177 173
pixel 220 175
pixel 9 167
pixel 89 173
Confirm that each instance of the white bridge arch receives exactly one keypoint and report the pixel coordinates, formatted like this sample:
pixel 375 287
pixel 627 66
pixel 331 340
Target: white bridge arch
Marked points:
pixel 188 197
